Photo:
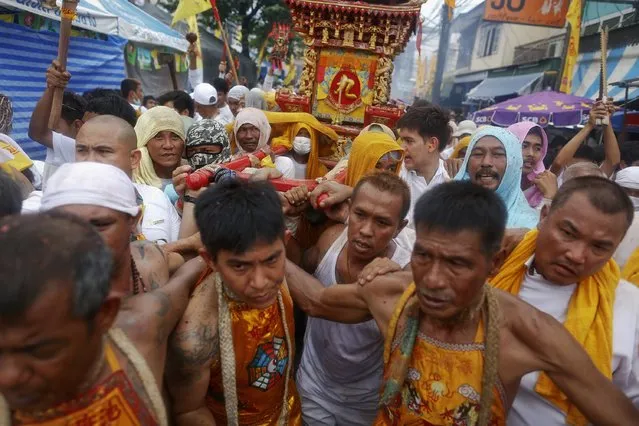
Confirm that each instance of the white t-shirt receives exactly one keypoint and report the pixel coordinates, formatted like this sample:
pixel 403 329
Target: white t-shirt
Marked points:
pixel 300 170
pixel 418 185
pixel 161 222
pixel 531 409
pixel 63 152
pixel 286 166
pixel 447 153
pixel 225 116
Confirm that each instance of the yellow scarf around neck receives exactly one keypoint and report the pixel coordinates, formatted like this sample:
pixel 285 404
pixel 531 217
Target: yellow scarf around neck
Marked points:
pixel 631 270
pixel 589 317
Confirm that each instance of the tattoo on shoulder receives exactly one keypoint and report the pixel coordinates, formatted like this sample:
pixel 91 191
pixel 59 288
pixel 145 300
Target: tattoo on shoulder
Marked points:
pixel 154 284
pixel 159 251
pixel 194 347
pixel 141 250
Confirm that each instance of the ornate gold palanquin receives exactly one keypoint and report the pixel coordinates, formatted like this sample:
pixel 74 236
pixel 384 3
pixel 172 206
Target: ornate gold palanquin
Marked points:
pixel 348 60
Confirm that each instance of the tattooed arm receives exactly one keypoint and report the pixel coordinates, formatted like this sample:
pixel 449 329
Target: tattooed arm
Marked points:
pixel 149 318
pixel 151 262
pixel 193 347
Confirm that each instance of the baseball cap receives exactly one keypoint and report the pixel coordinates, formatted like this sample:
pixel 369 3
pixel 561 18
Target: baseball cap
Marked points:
pixel 466 127
pixel 205 94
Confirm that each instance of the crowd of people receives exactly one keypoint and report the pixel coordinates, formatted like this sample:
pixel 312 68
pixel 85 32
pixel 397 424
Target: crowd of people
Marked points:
pixel 435 273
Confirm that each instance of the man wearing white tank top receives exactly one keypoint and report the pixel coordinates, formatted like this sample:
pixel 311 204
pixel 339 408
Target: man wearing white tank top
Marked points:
pixel 341 369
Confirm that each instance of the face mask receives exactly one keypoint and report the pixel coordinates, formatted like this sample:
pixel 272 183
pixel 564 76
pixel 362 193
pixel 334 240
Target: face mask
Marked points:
pixel 635 202
pixel 201 159
pixel 302 145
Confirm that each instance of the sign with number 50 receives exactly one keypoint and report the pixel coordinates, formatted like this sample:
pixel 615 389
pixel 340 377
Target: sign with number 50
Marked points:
pixel 546 13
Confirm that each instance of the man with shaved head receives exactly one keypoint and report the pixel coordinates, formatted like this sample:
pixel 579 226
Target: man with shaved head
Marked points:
pixel 111 140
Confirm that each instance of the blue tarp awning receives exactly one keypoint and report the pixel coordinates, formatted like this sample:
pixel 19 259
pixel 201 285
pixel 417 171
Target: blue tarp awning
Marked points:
pixel 112 17
pixel 495 87
pixel 623 64
pixel 27 53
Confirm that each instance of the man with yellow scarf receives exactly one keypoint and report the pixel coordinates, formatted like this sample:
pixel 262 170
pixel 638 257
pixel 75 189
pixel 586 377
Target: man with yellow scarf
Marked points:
pixel 565 268
pixel 455 348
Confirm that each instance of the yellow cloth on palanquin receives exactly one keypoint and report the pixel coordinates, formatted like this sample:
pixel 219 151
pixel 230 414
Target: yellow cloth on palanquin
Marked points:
pixel 286 126
pixel 366 151
pixel 589 317
pixel 261 360
pixel 631 270
pixel 114 401
pixel 429 382
pixel 463 143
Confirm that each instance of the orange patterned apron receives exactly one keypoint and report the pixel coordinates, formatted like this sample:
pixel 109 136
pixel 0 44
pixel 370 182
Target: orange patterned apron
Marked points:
pixel 443 383
pixel 113 402
pixel 261 358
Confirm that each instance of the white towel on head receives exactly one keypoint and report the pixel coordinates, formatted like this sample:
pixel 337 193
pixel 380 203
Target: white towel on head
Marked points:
pixel 628 177
pixel 92 184
pixel 238 92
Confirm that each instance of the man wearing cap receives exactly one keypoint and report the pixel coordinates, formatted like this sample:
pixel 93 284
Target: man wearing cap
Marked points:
pixel 236 98
pixel 205 98
pixel 465 128
pixel 104 196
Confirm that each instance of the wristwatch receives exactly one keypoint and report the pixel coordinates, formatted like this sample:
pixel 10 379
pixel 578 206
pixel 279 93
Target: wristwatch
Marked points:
pixel 189 199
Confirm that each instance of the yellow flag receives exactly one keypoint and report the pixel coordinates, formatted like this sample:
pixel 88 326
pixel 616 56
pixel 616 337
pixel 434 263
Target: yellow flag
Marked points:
pixel 188 8
pixel 451 6
pixel 431 74
pixel 574 19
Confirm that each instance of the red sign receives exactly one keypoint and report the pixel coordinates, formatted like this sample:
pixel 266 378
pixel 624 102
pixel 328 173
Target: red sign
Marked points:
pixel 545 13
pixel 345 88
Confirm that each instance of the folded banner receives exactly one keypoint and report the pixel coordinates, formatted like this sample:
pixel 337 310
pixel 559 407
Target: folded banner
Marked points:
pixel 574 20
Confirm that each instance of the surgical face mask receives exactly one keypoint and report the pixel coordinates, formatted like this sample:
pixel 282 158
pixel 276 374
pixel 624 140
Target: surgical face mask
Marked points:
pixel 635 202
pixel 302 145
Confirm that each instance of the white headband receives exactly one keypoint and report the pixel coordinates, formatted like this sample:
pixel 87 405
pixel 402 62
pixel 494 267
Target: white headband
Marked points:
pixel 92 184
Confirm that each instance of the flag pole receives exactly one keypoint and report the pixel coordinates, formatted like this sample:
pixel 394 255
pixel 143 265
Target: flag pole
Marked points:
pixel 216 14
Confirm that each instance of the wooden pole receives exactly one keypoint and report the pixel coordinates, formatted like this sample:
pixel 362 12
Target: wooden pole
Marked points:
pixel 603 77
pixel 171 65
pixel 67 15
pixel 227 46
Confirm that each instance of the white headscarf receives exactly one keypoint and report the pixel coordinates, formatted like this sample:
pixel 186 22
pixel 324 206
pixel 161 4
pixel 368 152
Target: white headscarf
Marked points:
pixel 255 99
pixel 238 92
pixel 258 119
pixel 628 177
pixel 93 184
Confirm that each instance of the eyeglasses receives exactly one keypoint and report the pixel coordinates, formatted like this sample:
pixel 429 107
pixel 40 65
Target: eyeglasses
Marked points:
pixel 392 156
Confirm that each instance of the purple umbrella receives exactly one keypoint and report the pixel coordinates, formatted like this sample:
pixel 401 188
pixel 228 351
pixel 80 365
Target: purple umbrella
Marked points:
pixel 543 108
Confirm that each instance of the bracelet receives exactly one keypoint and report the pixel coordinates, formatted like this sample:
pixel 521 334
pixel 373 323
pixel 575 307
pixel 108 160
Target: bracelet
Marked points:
pixel 189 199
